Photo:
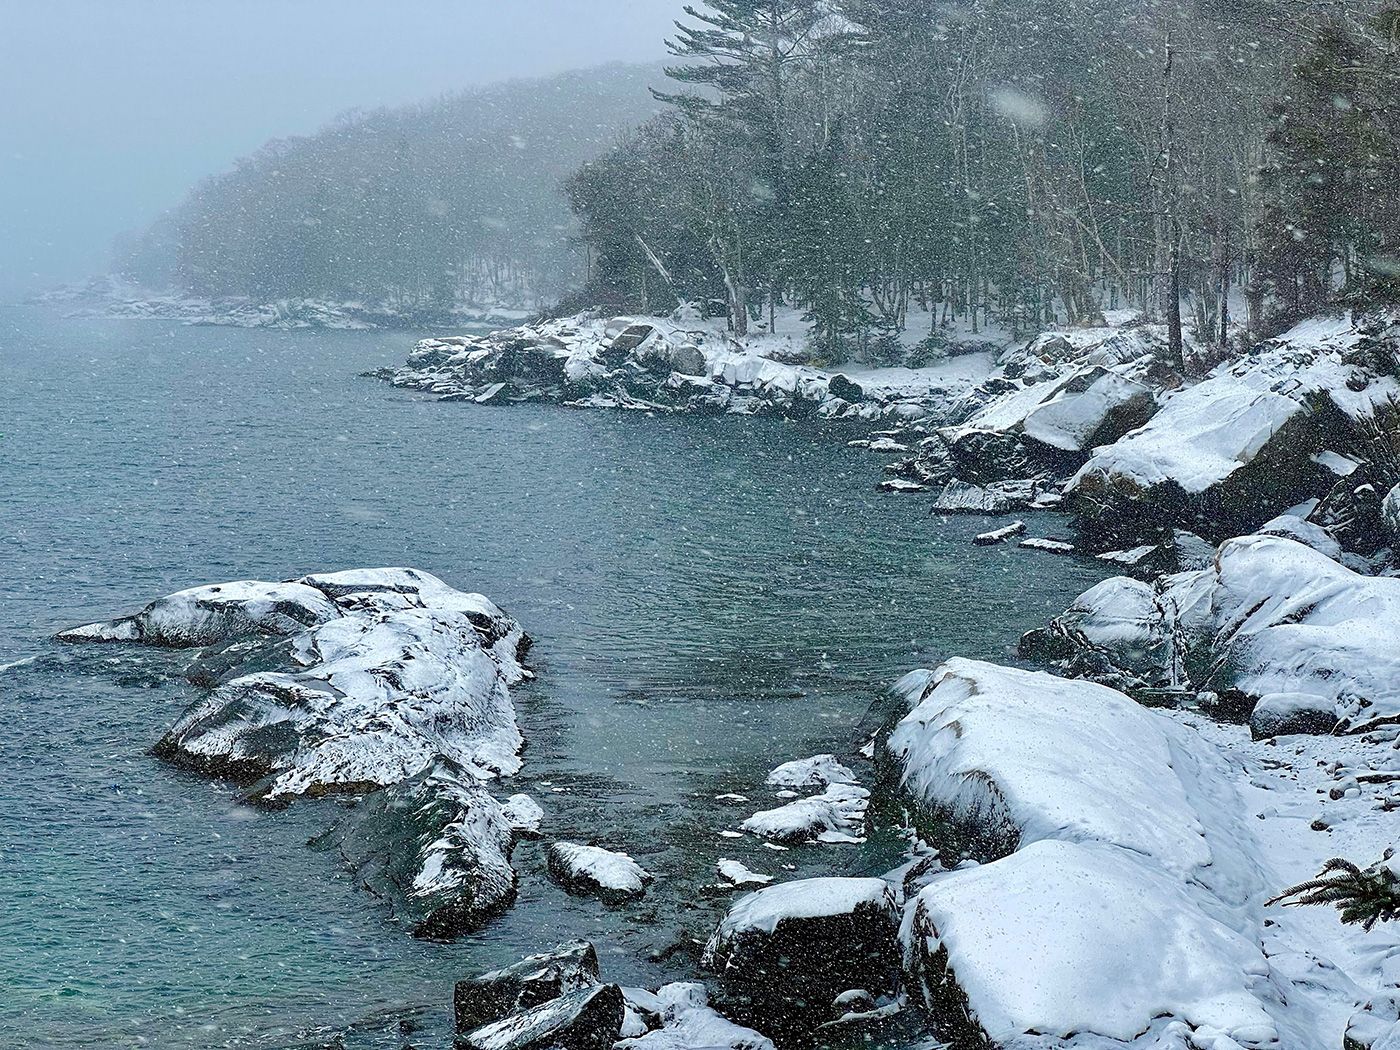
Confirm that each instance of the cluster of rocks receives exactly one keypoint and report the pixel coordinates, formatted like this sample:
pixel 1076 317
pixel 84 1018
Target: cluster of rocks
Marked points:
pixel 651 364
pixel 792 958
pixel 385 685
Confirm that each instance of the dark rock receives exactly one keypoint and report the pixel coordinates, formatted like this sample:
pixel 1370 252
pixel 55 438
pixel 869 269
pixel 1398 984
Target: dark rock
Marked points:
pixel 845 388
pixel 536 979
pixel 586 1019
pixel 1280 714
pixel 787 951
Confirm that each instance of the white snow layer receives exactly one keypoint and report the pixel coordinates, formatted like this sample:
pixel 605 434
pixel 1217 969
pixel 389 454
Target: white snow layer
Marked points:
pixel 1121 882
pixel 1077 937
pixel 763 909
pixel 817 771
pixel 1206 432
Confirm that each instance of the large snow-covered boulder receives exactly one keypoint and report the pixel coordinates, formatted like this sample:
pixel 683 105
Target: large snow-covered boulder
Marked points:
pixel 381 696
pixel 346 681
pixel 793 947
pixel 536 979
pixel 1047 426
pixel 1064 938
pixel 995 758
pixel 436 846
pixel 1256 436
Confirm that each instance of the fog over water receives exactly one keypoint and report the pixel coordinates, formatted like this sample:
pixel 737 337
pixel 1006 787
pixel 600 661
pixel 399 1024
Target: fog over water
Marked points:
pixel 111 111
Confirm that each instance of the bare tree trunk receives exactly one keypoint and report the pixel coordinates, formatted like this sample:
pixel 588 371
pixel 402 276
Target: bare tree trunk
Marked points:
pixel 1171 299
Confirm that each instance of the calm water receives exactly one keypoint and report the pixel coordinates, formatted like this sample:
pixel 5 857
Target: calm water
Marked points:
pixel 708 598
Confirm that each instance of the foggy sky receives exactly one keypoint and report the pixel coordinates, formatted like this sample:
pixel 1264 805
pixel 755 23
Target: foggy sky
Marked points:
pixel 111 109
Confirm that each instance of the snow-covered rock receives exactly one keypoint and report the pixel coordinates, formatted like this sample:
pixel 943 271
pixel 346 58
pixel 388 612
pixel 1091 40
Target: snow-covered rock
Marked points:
pixel 1065 938
pixel 1278 714
pixel 436 846
pixel 1001 535
pixel 1115 632
pixel 1111 846
pixel 817 771
pixel 343 681
pixel 1002 757
pixel 524 816
pixel 836 815
pixel 1274 616
pixel 739 875
pixel 1242 445
pixel 1001 497
pixel 598 872
pixel 535 979
pixel 797 945
pixel 1270 617
pixel 381 696
pixel 1046 426
pixel 586 1019
pixel 689 1023
pixel 215 613
pixel 1309 534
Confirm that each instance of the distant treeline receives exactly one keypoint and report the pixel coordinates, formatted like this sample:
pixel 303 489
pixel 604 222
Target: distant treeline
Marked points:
pixel 1027 158
pixel 426 207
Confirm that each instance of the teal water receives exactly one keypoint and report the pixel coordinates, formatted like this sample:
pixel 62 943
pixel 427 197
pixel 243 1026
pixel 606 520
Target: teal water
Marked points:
pixel 708 597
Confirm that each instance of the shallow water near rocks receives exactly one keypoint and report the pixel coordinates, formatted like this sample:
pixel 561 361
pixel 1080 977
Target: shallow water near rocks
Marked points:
pixel 708 598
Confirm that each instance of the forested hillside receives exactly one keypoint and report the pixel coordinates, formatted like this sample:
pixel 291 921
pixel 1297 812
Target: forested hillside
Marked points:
pixel 453 201
pixel 1026 159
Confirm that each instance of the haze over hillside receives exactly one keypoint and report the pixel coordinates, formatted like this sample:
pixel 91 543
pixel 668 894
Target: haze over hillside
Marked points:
pixel 424 206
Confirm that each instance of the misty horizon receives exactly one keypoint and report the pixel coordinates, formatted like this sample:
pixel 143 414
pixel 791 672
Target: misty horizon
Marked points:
pixel 117 111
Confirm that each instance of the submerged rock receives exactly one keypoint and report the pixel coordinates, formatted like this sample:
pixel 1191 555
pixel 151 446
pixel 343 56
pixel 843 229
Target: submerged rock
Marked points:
pixel 436 846
pixel 536 979
pixel 597 872
pixel 788 951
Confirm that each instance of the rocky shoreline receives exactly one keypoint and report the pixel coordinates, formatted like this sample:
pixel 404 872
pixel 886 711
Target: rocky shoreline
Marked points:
pixel 110 298
pixel 1091 851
